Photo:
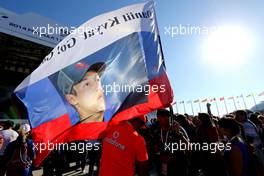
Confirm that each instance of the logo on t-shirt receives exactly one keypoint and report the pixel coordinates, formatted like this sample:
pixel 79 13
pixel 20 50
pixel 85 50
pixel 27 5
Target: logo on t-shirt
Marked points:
pixel 113 141
pixel 115 135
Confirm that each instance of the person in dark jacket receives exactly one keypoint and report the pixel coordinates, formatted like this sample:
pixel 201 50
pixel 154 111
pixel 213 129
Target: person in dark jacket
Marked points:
pixel 19 154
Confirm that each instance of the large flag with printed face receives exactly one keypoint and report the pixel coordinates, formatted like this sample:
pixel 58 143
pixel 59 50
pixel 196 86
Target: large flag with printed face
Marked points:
pixel 108 70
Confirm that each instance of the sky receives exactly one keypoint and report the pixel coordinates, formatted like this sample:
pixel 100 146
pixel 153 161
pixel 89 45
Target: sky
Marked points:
pixel 201 64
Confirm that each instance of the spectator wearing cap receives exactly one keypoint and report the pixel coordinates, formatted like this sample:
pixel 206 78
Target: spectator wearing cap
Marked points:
pixel 82 88
pixel 19 154
pixel 123 149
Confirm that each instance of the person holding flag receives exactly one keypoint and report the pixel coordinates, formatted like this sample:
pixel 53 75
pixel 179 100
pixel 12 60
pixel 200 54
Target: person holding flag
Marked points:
pixel 123 149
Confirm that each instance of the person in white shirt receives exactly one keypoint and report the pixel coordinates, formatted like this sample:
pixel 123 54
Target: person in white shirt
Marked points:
pixel 9 135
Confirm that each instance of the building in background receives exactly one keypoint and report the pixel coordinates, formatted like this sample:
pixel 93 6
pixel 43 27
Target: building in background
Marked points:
pixel 22 48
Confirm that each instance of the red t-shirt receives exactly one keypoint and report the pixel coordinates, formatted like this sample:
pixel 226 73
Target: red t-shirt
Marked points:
pixel 122 147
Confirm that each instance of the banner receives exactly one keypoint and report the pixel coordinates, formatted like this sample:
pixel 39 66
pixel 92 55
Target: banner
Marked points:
pixel 108 70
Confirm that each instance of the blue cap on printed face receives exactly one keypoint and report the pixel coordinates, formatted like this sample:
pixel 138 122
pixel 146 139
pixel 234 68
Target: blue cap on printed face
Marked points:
pixel 74 73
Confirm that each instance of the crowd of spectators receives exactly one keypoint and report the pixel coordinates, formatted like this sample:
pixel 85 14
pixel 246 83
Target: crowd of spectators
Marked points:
pixel 240 133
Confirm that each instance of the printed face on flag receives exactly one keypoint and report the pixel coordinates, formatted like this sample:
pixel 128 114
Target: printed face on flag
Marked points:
pixel 85 93
pixel 90 90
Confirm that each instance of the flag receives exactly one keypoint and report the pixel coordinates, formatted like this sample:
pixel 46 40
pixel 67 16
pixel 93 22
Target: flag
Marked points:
pixel 212 100
pixel 222 98
pixel 181 102
pixel 109 69
pixel 205 100
pixel 230 98
pixel 239 96
pixel 196 101
pixel 249 95
pixel 261 93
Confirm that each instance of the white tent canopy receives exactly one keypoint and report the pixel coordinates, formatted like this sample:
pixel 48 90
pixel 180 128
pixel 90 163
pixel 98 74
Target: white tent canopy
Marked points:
pixel 24 26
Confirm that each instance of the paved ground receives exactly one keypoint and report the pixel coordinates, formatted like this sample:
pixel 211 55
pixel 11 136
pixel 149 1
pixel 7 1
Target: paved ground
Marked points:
pixel 72 173
pixel 77 172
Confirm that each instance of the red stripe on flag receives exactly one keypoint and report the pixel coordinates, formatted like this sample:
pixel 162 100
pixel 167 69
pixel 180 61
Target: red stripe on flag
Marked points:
pixel 60 130
pixel 55 126
pixel 51 129
pixel 155 100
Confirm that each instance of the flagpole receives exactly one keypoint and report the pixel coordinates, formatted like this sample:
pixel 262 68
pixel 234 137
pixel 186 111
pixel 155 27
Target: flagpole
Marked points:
pixel 255 101
pixel 217 109
pixel 238 104
pixel 234 103
pixel 244 101
pixel 192 108
pixel 225 106
pixel 184 107
pixel 200 106
pixel 177 107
